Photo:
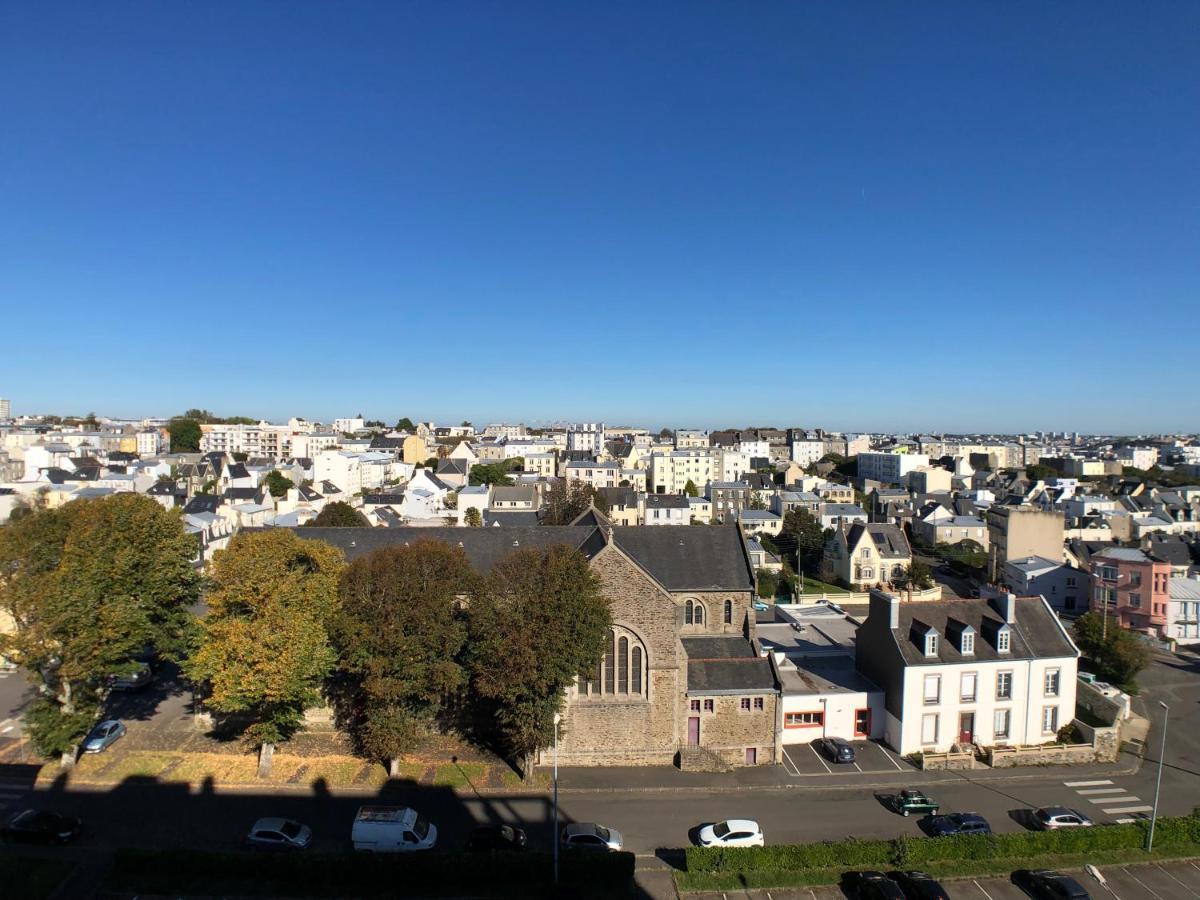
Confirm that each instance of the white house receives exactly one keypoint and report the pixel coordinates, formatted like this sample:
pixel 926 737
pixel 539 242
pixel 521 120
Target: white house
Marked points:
pixel 988 671
pixel 666 509
pixel 760 521
pixel 890 468
pixel 1183 611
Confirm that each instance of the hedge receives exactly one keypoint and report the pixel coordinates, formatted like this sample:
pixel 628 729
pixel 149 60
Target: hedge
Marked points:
pixel 175 872
pixel 914 852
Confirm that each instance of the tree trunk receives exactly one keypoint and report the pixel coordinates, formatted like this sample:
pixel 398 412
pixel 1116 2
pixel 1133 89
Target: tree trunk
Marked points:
pixel 66 700
pixel 69 757
pixel 527 767
pixel 394 767
pixel 265 754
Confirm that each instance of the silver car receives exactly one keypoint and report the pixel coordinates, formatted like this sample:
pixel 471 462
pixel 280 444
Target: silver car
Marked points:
pixel 276 833
pixel 103 736
pixel 1049 818
pixel 590 836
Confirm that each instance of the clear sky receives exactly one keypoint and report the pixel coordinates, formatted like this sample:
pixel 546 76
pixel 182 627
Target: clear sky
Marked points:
pixel 857 215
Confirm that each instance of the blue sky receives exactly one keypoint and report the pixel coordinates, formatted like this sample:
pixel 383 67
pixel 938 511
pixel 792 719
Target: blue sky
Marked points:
pixel 860 216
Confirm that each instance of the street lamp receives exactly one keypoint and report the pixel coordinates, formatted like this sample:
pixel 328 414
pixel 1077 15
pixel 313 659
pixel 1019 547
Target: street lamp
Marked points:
pixel 557 719
pixel 1158 783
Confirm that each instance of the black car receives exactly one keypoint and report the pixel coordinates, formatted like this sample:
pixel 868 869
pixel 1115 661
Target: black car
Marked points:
pixel 489 838
pixel 1047 885
pixel 36 826
pixel 871 886
pixel 956 823
pixel 836 749
pixel 919 886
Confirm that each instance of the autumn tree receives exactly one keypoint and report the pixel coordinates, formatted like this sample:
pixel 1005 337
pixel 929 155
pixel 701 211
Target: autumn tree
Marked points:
pixel 263 649
pixel 89 587
pixel 398 635
pixel 339 515
pixel 536 622
pixel 566 499
pixel 473 517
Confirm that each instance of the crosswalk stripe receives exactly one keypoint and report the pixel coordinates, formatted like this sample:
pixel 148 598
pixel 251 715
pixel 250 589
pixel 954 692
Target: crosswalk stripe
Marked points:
pixel 1100 801
pixel 1126 820
pixel 1102 791
pixel 1086 783
pixel 1129 809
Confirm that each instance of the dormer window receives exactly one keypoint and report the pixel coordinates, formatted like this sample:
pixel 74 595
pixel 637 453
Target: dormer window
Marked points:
pixel 1003 639
pixel 931 643
pixel 967 643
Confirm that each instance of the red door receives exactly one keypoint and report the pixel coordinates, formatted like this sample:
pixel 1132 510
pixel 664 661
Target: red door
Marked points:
pixel 862 723
pixel 966 728
pixel 694 731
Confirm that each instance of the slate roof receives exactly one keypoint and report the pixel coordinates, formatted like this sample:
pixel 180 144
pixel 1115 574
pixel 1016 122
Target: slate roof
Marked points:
pixel 684 557
pixel 238 470
pixel 730 676
pixel 202 503
pixel 1124 554
pixel 618 496
pixel 243 493
pixel 890 542
pixel 452 466
pixel 512 517
pixel 520 493
pixel 1036 633
pixel 383 442
pixel 1173 551
pixel 667 501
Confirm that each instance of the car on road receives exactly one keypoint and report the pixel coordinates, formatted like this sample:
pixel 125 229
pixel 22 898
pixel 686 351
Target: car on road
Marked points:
pixel 40 826
pixel 910 801
pixel 1049 818
pixel 957 823
pixel 731 833
pixel 1044 884
pixel 391 829
pixel 759 606
pixel 919 886
pixel 492 838
pixel 870 886
pixel 103 736
pixel 590 836
pixel 136 680
pixel 835 749
pixel 273 833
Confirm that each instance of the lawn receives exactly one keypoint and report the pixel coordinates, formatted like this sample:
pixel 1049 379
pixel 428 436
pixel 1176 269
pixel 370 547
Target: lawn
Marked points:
pixel 812 586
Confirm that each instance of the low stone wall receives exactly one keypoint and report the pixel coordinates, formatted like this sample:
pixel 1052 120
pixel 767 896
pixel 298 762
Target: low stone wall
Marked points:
pixel 947 762
pixel 702 759
pixel 1049 755
pixel 1106 709
pixel 1105 741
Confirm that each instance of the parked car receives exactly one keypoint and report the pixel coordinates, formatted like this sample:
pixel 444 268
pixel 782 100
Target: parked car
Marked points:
pixel 919 886
pixel 1048 818
pixel 910 801
pixel 139 678
pixel 871 886
pixel 489 838
pixel 731 833
pixel 273 833
pixel 1044 884
pixel 391 829
pixel 590 836
pixel 103 736
pixel 39 826
pixel 835 749
pixel 958 823
pixel 759 606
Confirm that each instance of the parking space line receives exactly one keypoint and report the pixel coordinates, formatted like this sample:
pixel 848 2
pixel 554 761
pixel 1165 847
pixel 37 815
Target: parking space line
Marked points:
pixel 795 773
pixel 1145 886
pixel 857 767
pixel 981 890
pixel 818 756
pixel 1086 783
pixel 889 758
pixel 1177 881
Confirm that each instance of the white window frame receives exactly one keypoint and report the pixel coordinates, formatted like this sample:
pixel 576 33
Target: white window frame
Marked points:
pixel 971 678
pixel 1005 716
pixel 1049 720
pixel 934 698
pixel 1051 682
pixel 928 720
pixel 1003 641
pixel 1001 678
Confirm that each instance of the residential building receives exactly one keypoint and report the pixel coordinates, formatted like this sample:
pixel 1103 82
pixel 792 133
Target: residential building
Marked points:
pixel 152 442
pixel 760 521
pixel 929 480
pixel 597 474
pixel 623 506
pixel 863 555
pixel 700 509
pixel 784 502
pixel 497 430
pixel 996 671
pixel 686 439
pixel 1131 588
pixel 889 468
pixel 517 497
pixel 670 471
pixel 540 464
pixel 5 409
pixel 349 425
pixel 807 452
pixel 728 499
pixel 1017 532
pixel 1064 587
pixel 830 515
pixel 666 509
pixel 587 436
pixel 1183 616
pixel 935 524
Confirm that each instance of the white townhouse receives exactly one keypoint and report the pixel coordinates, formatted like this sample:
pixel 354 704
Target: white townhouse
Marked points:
pixel 807 452
pixel 989 671
pixel 889 468
pixel 597 474
pixel 666 509
pixel 670 472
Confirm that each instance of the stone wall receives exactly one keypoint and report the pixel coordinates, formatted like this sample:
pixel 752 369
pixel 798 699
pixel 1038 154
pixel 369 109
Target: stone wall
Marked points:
pixel 1105 741
pixel 1049 755
pixel 947 762
pixel 728 732
pixel 1106 709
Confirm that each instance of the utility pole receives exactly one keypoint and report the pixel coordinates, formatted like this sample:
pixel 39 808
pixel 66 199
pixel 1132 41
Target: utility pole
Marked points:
pixel 1158 783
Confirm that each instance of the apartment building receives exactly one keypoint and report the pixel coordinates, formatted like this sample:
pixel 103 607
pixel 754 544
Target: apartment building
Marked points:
pixel 889 468
pixel 1133 588
pixel 670 471
pixel 1017 532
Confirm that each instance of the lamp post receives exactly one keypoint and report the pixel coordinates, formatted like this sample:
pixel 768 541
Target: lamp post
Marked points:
pixel 1158 782
pixel 557 719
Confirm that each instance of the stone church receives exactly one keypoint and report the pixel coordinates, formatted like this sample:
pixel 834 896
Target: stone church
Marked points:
pixel 681 681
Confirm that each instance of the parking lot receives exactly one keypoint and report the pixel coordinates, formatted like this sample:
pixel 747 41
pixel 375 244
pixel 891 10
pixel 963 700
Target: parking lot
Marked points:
pixel 804 761
pixel 1153 881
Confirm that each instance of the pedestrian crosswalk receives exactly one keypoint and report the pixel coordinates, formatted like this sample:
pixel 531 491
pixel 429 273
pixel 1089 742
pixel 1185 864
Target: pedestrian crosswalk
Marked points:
pixel 1112 800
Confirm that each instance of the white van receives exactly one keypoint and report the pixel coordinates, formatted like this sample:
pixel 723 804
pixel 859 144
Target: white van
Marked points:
pixel 391 829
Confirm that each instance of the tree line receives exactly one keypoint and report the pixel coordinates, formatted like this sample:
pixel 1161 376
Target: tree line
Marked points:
pixel 402 642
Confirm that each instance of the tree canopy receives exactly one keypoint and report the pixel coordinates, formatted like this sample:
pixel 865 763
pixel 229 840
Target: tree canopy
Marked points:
pixel 802 537
pixel 1118 655
pixel 536 622
pixel 264 648
pixel 567 499
pixel 185 435
pixel 405 424
pixel 279 484
pixel 495 472
pixel 339 514
pixel 398 635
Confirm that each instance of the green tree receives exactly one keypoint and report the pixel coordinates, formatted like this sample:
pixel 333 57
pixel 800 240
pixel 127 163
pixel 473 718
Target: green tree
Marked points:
pixel 756 501
pixel 473 517
pixel 185 435
pixel 535 623
pixel 338 514
pixel 767 581
pixel 919 575
pixel 398 636
pixel 405 424
pixel 490 473
pixel 690 489
pixel 1038 472
pixel 803 537
pixel 90 586
pixel 1117 654
pixel 264 649
pixel 278 483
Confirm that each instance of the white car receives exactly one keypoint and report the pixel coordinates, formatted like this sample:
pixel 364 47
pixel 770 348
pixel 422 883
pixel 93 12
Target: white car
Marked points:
pixel 284 834
pixel 731 833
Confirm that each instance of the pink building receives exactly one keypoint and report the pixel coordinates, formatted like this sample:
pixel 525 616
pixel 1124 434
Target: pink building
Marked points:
pixel 1136 589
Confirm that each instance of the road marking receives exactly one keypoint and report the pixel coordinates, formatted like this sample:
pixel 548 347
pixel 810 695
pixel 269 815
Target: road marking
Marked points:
pixel 1148 889
pixel 1129 809
pixel 1177 881
pixel 1124 799
pixel 1086 783
pixel 787 759
pixel 981 890
pixel 818 756
pixel 1102 791
pixel 889 757
pixel 856 766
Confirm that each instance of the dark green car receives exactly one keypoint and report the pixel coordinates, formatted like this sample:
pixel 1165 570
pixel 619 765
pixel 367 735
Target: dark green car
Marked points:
pixel 908 802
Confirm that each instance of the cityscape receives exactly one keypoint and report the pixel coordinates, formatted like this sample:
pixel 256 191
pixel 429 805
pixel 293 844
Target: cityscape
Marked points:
pixel 667 451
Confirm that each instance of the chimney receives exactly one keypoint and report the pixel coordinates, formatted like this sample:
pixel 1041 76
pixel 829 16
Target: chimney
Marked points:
pixel 885 605
pixel 1005 604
